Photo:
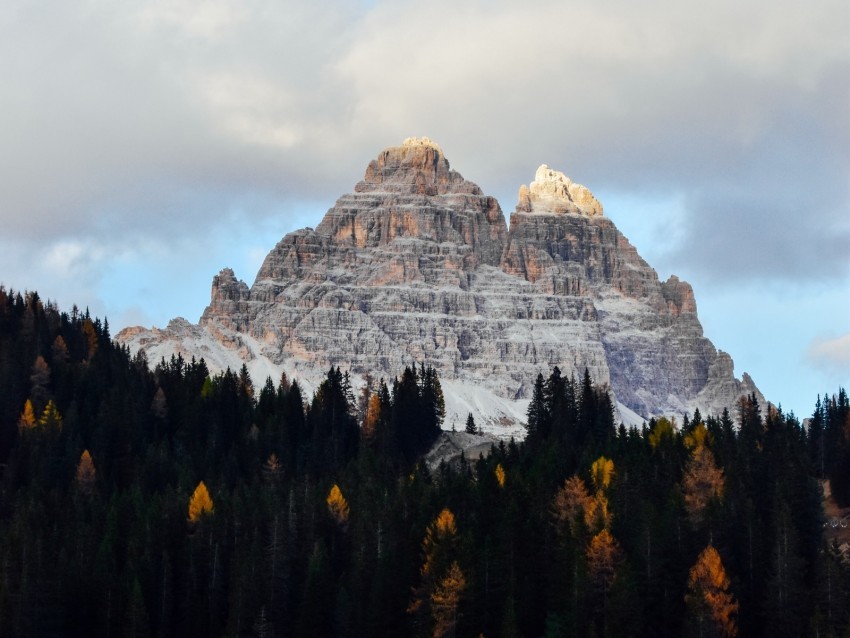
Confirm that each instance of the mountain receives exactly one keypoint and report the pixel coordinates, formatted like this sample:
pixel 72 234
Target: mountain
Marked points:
pixel 417 265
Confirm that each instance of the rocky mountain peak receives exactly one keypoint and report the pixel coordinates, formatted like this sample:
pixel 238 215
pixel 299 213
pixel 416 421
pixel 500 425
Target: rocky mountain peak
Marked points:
pixel 553 192
pixel 417 167
pixel 417 265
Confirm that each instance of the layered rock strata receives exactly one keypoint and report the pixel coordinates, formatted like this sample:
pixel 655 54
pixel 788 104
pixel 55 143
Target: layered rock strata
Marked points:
pixel 417 265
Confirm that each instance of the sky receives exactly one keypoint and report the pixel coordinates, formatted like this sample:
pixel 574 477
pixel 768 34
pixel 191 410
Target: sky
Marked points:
pixel 145 145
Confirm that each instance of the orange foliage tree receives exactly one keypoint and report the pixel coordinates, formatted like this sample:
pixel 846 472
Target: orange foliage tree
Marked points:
pixel 200 503
pixel 373 416
pixel 711 606
pixel 500 475
pixel 571 502
pixel 27 420
pixel 437 575
pixel 445 601
pixel 337 506
pixel 602 555
pixel 86 474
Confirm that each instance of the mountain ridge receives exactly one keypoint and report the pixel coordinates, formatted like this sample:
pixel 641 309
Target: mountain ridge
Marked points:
pixel 418 265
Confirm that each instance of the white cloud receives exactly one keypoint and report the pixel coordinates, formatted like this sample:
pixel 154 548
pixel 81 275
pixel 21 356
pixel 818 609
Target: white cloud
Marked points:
pixel 146 120
pixel 831 354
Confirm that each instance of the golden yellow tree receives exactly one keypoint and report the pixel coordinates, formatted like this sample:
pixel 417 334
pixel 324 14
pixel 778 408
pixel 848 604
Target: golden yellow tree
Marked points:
pixel 438 548
pixel 337 506
pixel 697 437
pixel 711 605
pixel 200 503
pixel 27 420
pixel 50 416
pixel 663 430
pixel 500 475
pixel 445 601
pixel 86 474
pixel 442 530
pixel 602 473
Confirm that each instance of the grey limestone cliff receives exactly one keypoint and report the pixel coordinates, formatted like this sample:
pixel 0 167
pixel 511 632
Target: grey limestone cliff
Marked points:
pixel 418 265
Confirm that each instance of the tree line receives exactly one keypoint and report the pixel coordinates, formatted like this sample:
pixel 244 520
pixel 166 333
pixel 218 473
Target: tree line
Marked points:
pixel 174 501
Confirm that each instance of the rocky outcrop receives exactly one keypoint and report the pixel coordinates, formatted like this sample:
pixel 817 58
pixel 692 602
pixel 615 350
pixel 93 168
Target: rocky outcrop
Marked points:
pixel 553 192
pixel 417 265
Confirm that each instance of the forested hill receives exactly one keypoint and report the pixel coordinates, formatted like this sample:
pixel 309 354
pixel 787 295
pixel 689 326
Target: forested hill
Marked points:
pixel 173 502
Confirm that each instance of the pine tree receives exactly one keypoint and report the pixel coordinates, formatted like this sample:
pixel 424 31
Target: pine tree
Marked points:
pixel 537 416
pixel 470 425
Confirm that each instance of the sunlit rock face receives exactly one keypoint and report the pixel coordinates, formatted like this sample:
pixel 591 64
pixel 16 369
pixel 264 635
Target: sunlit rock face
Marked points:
pixel 553 192
pixel 417 266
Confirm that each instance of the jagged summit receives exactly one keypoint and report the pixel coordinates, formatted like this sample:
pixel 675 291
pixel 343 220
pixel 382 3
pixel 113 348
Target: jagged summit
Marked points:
pixel 417 265
pixel 553 192
pixel 414 142
pixel 417 167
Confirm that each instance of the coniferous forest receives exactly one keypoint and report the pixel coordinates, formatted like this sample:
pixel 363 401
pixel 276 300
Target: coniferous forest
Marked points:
pixel 176 502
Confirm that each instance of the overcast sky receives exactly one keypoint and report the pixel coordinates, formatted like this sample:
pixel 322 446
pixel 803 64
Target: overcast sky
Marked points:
pixel 146 145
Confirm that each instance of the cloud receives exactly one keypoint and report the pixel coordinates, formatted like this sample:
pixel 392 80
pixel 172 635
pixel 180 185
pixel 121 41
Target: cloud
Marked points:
pixel 832 355
pixel 149 119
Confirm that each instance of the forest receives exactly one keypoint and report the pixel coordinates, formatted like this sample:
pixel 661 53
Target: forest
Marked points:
pixel 169 501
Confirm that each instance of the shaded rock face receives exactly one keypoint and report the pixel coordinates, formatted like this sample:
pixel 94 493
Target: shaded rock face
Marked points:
pixel 417 265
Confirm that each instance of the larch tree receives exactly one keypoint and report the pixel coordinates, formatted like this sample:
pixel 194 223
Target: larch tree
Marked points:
pixel 602 473
pixel 597 516
pixel 438 549
pixel 200 503
pixel 338 506
pixel 500 475
pixel 663 431
pixel 603 555
pixel 371 420
pixel 86 474
pixel 445 600
pixel 570 504
pixel 27 420
pixel 50 417
pixel 702 480
pixel 712 608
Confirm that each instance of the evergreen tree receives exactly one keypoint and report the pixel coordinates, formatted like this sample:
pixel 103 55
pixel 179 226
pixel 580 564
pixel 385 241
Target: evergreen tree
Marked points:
pixel 538 420
pixel 471 428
